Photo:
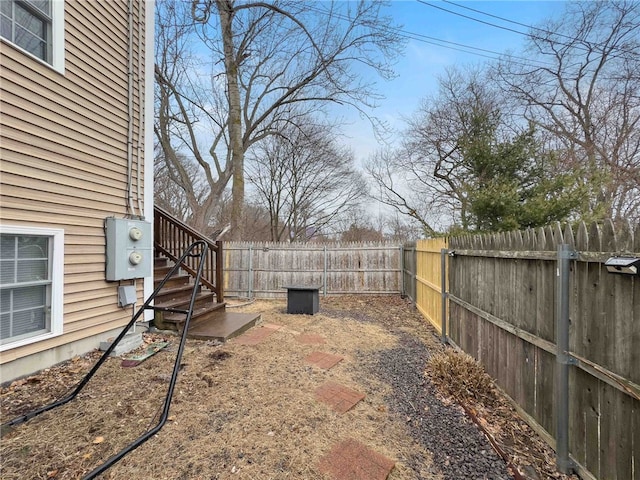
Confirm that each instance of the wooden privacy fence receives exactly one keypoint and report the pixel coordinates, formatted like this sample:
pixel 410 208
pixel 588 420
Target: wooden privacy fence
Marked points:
pixel 409 270
pixel 428 279
pixel 506 302
pixel 263 269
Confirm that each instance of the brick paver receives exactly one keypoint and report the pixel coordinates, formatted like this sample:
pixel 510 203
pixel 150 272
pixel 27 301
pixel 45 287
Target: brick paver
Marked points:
pixel 338 397
pixel 310 339
pixel 323 359
pixel 257 335
pixel 352 460
pixel 273 326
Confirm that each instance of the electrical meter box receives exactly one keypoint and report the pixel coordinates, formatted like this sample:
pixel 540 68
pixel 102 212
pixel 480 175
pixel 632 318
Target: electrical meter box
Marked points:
pixel 129 252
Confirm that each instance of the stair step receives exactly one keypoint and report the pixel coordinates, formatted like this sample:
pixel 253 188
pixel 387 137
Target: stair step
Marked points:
pixel 167 295
pixel 198 314
pixel 203 299
pixel 161 271
pixel 173 281
pixel 223 325
pixel 160 261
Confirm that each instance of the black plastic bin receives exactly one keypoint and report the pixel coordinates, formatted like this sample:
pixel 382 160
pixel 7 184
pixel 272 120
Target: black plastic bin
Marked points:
pixel 303 299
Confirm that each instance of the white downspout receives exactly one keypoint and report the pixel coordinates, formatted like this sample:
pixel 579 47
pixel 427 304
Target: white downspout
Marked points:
pixel 147 128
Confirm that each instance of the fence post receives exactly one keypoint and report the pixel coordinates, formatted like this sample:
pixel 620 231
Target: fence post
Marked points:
pixel 324 273
pixel 563 462
pixel 250 280
pixel 403 290
pixel 443 291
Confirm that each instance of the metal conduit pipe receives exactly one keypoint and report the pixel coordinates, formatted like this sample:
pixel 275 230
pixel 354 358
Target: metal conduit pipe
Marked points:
pixel 141 110
pixel 129 195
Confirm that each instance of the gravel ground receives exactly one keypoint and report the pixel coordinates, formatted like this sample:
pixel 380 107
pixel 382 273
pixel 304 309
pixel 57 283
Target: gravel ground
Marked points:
pixel 458 447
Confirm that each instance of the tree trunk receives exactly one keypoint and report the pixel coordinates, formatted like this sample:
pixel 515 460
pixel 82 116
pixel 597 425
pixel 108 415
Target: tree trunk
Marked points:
pixel 226 12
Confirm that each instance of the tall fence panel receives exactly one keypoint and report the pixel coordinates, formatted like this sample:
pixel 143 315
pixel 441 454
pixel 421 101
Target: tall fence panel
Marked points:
pixel 429 279
pixel 503 293
pixel 264 269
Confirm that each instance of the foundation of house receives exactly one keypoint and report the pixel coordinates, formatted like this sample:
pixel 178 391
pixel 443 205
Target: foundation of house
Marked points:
pixel 129 342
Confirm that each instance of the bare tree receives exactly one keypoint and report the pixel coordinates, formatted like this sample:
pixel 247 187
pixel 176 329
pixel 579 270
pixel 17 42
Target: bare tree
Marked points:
pixel 427 179
pixel 359 224
pixel 395 186
pixel 264 57
pixel 168 191
pixel 256 225
pixel 305 180
pixel 189 122
pixel 361 232
pixel 585 94
pixel 399 228
pixel 464 166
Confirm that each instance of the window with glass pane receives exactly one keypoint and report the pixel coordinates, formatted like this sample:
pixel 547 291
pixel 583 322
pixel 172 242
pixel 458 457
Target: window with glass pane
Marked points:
pixel 28 24
pixel 25 286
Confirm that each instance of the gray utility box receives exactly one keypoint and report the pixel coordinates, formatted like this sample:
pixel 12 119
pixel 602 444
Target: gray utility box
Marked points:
pixel 129 253
pixel 301 299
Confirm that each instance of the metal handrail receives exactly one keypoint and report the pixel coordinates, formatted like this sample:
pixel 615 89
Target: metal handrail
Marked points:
pixel 176 367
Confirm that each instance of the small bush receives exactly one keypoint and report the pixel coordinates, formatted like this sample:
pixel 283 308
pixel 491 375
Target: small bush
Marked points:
pixel 461 376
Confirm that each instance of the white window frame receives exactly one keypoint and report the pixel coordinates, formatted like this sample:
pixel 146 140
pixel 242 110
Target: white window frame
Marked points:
pixel 57 281
pixel 57 38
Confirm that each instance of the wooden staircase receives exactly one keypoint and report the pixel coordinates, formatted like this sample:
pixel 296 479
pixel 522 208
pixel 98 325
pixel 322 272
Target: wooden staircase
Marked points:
pixel 210 319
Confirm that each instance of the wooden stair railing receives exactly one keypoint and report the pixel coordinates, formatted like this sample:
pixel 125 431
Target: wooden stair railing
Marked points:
pixel 172 237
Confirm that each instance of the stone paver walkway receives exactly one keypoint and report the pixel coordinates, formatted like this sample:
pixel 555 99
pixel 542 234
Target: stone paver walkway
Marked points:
pixel 338 397
pixel 257 335
pixel 351 460
pixel 348 459
pixel 323 360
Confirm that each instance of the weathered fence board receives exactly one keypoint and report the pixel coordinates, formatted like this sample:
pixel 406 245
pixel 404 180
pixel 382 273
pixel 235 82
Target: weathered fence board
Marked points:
pixel 502 291
pixel 264 269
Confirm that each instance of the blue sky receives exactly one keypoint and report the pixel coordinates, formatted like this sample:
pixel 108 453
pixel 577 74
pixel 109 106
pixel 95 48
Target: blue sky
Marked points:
pixel 422 62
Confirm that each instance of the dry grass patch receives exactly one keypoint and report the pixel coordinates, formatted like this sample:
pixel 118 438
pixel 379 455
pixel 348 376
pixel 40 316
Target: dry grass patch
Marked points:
pixel 461 376
pixel 242 412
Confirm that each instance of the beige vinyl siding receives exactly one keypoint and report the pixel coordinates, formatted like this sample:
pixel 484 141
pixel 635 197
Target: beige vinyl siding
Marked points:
pixel 58 134
pixel 63 153
pixel 20 213
pixel 59 161
pixel 71 193
pixel 80 110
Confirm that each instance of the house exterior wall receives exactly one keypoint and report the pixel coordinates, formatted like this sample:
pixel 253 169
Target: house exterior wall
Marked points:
pixel 64 143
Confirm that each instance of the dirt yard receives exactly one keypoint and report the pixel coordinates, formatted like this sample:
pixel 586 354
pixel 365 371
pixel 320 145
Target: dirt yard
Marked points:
pixel 249 411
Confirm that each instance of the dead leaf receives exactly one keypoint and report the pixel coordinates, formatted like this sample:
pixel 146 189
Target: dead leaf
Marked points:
pixel 98 440
pixel 52 473
pixel 171 418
